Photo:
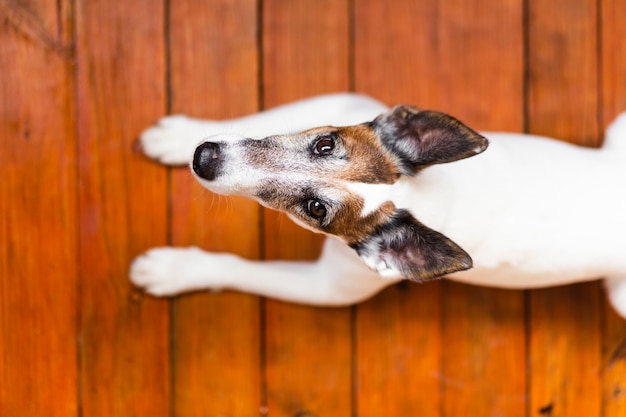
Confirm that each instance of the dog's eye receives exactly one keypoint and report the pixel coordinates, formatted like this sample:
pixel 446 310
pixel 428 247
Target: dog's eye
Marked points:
pixel 315 209
pixel 324 145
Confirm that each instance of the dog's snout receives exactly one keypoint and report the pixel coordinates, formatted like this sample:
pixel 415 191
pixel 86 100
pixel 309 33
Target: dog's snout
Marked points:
pixel 207 160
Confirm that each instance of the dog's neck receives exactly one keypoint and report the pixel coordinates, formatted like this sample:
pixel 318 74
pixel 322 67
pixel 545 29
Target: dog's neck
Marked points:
pixel 443 197
pixel 427 196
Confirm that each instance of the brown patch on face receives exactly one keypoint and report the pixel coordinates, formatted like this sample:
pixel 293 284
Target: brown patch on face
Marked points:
pixel 369 161
pixel 350 226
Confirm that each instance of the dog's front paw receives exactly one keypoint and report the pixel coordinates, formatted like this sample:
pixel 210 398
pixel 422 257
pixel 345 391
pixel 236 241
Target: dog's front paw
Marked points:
pixel 616 288
pixel 173 139
pixel 171 271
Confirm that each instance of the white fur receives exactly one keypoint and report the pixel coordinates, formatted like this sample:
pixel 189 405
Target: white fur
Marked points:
pixel 374 195
pixel 532 212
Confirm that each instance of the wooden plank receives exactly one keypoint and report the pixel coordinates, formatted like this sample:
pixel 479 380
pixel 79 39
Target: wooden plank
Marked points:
pixel 564 351
pixel 563 102
pixel 613 93
pixel 120 90
pixel 563 76
pixel 442 57
pixel 613 49
pixel 399 352
pixel 484 351
pixel 38 244
pixel 614 364
pixel 387 56
pixel 214 67
pixel 305 52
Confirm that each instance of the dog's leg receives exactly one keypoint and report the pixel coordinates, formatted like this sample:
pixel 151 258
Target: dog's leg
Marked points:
pixel 338 277
pixel 616 135
pixel 173 139
pixel 616 290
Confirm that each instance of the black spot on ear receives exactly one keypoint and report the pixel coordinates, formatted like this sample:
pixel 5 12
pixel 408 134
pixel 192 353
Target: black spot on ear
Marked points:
pixel 403 247
pixel 420 138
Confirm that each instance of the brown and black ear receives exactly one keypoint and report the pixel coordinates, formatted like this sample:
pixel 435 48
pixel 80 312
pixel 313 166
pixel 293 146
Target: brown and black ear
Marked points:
pixel 420 138
pixel 405 248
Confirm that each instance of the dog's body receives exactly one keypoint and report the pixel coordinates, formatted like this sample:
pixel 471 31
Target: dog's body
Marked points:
pixel 531 211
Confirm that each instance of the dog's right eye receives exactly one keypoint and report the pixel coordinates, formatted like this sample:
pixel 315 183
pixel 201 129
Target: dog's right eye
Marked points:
pixel 315 209
pixel 324 145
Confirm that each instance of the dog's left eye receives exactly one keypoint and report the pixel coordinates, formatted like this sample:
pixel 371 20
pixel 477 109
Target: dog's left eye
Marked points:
pixel 324 145
pixel 315 209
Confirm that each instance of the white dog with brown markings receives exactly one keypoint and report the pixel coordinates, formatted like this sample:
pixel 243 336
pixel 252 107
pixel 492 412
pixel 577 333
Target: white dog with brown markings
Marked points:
pixel 401 196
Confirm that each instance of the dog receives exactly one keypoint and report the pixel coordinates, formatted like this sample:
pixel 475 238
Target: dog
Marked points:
pixel 402 193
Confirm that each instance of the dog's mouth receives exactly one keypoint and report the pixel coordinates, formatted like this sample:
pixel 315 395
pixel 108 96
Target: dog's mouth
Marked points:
pixel 207 160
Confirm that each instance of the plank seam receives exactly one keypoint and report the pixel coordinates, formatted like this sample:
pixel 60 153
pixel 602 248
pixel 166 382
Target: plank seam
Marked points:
pixel 77 202
pixel 169 210
pixel 263 389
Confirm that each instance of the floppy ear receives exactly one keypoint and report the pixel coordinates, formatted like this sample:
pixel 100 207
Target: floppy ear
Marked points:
pixel 403 247
pixel 420 138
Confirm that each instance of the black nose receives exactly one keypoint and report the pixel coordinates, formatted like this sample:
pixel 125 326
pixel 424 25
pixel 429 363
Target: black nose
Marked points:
pixel 207 160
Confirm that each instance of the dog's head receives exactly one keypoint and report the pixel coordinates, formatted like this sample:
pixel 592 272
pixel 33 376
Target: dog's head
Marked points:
pixel 322 179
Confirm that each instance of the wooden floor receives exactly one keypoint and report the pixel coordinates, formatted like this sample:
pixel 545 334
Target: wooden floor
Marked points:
pixel 80 79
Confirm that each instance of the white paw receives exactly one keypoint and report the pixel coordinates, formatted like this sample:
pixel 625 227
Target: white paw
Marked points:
pixel 170 271
pixel 616 289
pixel 616 133
pixel 173 139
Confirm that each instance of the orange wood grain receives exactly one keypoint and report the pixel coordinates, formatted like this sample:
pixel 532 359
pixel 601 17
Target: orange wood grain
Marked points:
pixel 484 351
pixel 613 364
pixel 443 55
pixel 214 66
pixel 125 343
pixel 38 244
pixel 308 356
pixel 305 49
pixel 398 352
pixel 564 351
pixel 562 70
pixel 613 93
pixel 613 59
pixel 563 102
